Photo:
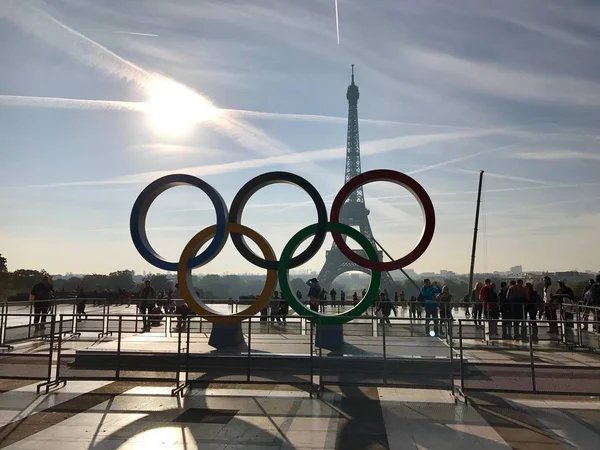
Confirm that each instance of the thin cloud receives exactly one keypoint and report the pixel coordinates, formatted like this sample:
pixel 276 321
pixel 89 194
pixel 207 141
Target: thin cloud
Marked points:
pixel 499 81
pixel 279 207
pixel 133 33
pixel 70 103
pixel 520 18
pixel 500 190
pixel 559 222
pixel 252 137
pixel 459 159
pixel 175 149
pixel 498 176
pixel 553 155
pixel 57 34
pixel 312 156
pixel 76 103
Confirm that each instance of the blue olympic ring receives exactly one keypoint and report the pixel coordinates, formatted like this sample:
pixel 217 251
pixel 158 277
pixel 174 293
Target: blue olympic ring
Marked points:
pixel 137 220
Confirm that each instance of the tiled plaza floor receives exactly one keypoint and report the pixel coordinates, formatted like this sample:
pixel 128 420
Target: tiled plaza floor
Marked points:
pixel 104 415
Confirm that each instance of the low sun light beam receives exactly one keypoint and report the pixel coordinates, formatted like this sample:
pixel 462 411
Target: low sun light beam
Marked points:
pixel 174 108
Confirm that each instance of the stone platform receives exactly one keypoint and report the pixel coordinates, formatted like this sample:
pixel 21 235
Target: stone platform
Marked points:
pixel 407 361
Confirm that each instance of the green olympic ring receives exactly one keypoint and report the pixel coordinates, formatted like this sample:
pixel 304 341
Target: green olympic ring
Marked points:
pixel 299 307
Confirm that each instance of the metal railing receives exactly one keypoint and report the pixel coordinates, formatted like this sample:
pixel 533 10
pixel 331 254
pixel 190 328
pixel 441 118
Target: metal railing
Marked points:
pixel 303 363
pixel 525 365
pixel 402 353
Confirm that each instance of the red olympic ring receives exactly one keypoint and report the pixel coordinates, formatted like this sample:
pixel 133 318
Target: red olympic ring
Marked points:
pixel 414 188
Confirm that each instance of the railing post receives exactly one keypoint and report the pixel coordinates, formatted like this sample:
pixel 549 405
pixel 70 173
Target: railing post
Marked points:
pixel 50 353
pixel 449 332
pixel 3 315
pixel 321 383
pixel 59 350
pixel 31 311
pixel 118 365
pixel 374 329
pixel 559 325
pixel 74 324
pixel 187 352
pixel 412 319
pixel 178 372
pixel 531 360
pixel 460 347
pixel 105 318
pixel 525 325
pixel 312 366
pixel 383 326
pixel 249 348
pixel 6 324
pixel 579 332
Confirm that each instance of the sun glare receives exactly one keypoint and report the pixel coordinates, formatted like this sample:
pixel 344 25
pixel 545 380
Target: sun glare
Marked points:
pixel 174 109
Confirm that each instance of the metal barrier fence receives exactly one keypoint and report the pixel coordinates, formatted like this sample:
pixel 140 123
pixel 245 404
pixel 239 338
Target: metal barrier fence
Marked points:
pixel 35 366
pixel 372 356
pixel 401 354
pixel 536 369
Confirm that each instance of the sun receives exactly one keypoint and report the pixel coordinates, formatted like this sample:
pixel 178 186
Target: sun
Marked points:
pixel 174 109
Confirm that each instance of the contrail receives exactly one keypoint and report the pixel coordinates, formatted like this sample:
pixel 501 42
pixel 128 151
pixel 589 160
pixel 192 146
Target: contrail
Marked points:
pixel 133 33
pixel 74 103
pixel 369 147
pixel 70 103
pixel 337 22
pixel 500 190
pixel 338 119
pixel 57 34
pixel 306 158
pixel 498 175
pixel 245 134
pixel 460 158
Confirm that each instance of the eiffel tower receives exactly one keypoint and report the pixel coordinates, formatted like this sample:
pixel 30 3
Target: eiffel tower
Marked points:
pixel 354 211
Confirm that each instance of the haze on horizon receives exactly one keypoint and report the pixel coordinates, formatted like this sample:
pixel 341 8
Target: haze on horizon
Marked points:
pixel 99 99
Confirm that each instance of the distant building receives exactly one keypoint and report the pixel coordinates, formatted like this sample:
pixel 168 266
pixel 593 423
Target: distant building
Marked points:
pixel 410 272
pixel 571 276
pixel 447 274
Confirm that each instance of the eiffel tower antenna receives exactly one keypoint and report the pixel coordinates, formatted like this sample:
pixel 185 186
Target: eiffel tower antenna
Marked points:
pixel 354 212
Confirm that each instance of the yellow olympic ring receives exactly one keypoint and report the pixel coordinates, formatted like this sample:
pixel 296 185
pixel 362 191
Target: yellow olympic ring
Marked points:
pixel 184 275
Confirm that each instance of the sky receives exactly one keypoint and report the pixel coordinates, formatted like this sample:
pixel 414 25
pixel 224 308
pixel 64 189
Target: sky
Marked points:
pixel 99 98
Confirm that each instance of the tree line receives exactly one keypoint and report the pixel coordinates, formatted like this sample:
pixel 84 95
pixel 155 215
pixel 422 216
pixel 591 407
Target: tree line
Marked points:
pixel 17 285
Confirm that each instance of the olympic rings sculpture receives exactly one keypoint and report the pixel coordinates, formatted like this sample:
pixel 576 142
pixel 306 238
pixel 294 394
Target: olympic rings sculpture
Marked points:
pixel 228 223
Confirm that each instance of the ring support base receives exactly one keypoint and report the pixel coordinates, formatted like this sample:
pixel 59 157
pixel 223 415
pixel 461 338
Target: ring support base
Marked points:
pixel 226 336
pixel 330 337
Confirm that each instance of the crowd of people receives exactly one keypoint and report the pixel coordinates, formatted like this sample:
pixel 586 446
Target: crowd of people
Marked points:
pixel 512 305
pixel 515 305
